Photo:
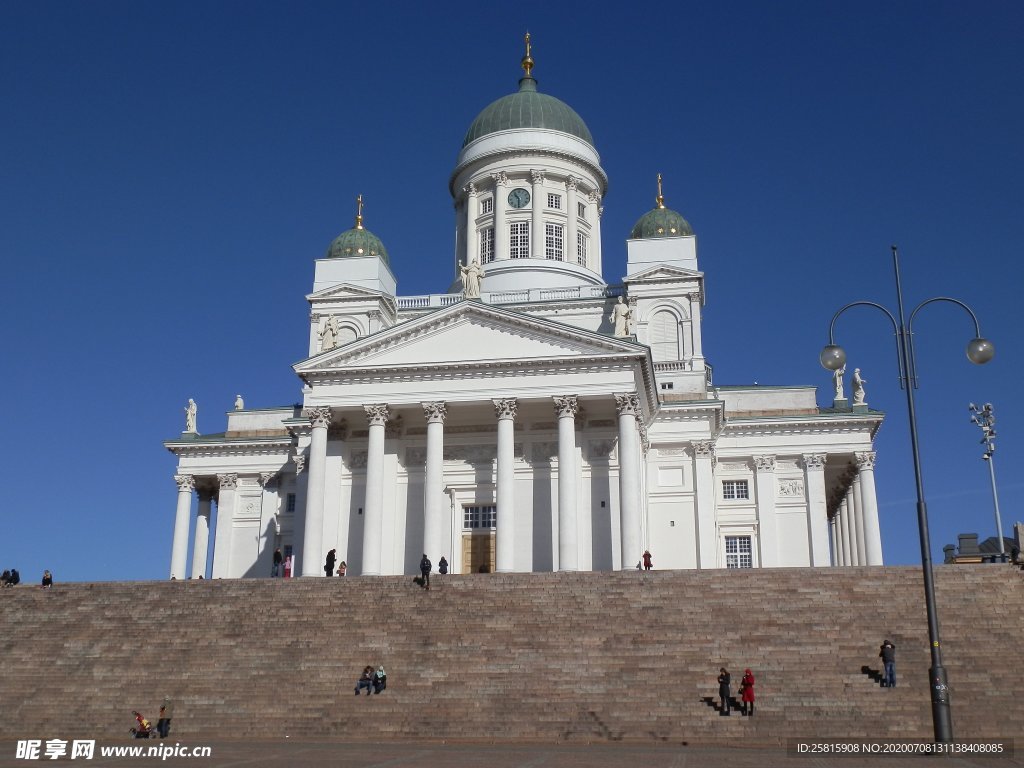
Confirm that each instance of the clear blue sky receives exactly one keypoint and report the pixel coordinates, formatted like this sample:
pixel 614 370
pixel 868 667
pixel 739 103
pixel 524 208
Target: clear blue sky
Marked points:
pixel 170 171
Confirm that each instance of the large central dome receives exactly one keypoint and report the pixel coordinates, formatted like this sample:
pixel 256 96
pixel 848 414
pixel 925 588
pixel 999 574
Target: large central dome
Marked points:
pixel 528 109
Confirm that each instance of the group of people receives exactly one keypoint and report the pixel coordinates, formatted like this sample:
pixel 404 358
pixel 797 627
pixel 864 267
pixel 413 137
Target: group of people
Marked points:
pixel 332 558
pixel 376 681
pixel 426 567
pixel 746 692
pixel 143 729
pixel 11 577
pixel 282 566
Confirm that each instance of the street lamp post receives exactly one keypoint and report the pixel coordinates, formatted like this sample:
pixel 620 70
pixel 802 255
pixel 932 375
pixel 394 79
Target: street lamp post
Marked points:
pixel 979 351
pixel 985 417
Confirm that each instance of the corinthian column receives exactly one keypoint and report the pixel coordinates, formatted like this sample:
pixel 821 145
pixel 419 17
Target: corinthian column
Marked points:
pixel 571 230
pixel 537 221
pixel 472 249
pixel 225 525
pixel 847 534
pixel 869 502
pixel 202 540
pixel 568 550
pixel 704 482
pixel 857 524
pixel 627 405
pixel 182 518
pixel 817 511
pixel 767 526
pixel 313 535
pixel 501 246
pixel 373 523
pixel 504 543
pixel 435 543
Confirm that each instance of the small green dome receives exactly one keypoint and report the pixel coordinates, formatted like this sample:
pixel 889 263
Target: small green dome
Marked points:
pixel 357 242
pixel 528 109
pixel 661 222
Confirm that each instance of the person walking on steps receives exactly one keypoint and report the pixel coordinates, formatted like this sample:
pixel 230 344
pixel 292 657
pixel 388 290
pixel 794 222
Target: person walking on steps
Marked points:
pixel 425 566
pixel 329 564
pixel 747 692
pixel 647 560
pixel 724 684
pixel 275 571
pixel 887 653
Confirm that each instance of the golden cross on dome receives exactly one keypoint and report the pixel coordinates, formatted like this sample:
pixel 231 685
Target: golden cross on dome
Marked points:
pixel 527 62
pixel 359 212
pixel 661 197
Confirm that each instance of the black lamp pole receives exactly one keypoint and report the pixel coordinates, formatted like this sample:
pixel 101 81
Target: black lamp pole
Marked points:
pixel 979 351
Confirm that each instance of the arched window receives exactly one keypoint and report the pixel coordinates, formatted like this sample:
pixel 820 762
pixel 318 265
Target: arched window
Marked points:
pixel 664 336
pixel 346 334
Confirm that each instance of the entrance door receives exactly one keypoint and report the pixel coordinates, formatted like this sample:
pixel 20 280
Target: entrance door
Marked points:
pixel 478 539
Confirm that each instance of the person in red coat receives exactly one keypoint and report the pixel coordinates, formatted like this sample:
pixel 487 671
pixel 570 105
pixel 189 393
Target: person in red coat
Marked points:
pixel 647 560
pixel 747 692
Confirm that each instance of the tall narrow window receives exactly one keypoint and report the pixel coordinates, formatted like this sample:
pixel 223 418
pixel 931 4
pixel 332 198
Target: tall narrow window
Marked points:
pixel 664 337
pixel 487 205
pixel 738 552
pixel 555 201
pixel 289 505
pixel 486 245
pixel 553 241
pixel 519 240
pixel 581 249
pixel 581 211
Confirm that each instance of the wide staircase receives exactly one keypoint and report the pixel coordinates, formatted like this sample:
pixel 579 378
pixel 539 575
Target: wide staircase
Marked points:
pixel 568 656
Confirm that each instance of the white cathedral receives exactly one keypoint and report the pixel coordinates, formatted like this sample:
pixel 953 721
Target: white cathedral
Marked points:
pixel 532 418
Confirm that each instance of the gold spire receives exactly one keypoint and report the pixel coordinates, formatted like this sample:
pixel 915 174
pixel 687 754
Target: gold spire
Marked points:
pixel 359 212
pixel 527 62
pixel 661 197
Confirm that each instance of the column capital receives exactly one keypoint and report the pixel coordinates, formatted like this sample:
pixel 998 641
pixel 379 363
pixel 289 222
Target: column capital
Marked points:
pixel 815 461
pixel 500 180
pixel 377 414
pixel 627 403
pixel 228 482
pixel 537 177
pixel 319 416
pixel 704 449
pixel 185 482
pixel 315 317
pixel 865 460
pixel 266 478
pixel 506 409
pixel 435 412
pixel 764 463
pixel 594 196
pixel 300 463
pixel 471 189
pixel 571 182
pixel 566 406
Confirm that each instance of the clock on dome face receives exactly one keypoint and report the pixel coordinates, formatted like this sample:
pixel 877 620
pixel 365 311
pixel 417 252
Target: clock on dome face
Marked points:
pixel 518 198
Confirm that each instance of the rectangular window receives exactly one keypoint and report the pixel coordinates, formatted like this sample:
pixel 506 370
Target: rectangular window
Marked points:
pixel 555 201
pixel 738 552
pixel 289 504
pixel 735 489
pixel 519 240
pixel 487 205
pixel 581 249
pixel 553 241
pixel 479 518
pixel 486 245
pixel 581 211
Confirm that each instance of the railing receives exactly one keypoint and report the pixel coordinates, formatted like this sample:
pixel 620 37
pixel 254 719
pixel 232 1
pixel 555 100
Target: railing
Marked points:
pixel 438 300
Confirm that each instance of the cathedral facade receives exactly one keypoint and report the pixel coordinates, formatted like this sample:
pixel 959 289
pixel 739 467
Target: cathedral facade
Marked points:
pixel 532 417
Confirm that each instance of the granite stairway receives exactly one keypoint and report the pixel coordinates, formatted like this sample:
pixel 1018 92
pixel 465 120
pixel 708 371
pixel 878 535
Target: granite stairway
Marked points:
pixel 528 657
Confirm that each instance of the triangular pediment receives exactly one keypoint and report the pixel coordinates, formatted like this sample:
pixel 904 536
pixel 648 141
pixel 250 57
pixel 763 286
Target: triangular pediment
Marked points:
pixel 345 291
pixel 663 272
pixel 465 333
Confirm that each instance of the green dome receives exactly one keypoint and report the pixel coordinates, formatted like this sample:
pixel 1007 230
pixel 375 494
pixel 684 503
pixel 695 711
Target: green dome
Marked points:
pixel 661 222
pixel 357 242
pixel 528 109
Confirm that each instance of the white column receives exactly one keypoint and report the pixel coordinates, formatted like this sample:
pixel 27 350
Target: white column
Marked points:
pixel 435 542
pixel 695 331
pixel 182 520
pixel 845 508
pixel 571 254
pixel 500 228
pixel 313 535
pixel 202 541
pixel 704 480
pixel 568 554
pixel 869 503
pixel 472 209
pixel 537 219
pixel 833 530
pixel 628 407
pixel 857 524
pixel 373 523
pixel 768 535
pixel 504 543
pixel 225 525
pixel 594 210
pixel 817 511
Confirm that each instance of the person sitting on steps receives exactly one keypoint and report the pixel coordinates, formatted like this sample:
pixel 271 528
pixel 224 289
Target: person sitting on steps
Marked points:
pixel 365 681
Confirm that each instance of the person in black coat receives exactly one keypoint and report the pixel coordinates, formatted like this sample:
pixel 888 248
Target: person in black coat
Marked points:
pixel 724 682
pixel 329 565
pixel 442 566
pixel 425 566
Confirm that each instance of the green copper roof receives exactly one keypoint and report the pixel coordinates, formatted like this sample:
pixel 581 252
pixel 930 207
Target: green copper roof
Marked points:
pixel 528 109
pixel 661 222
pixel 357 242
